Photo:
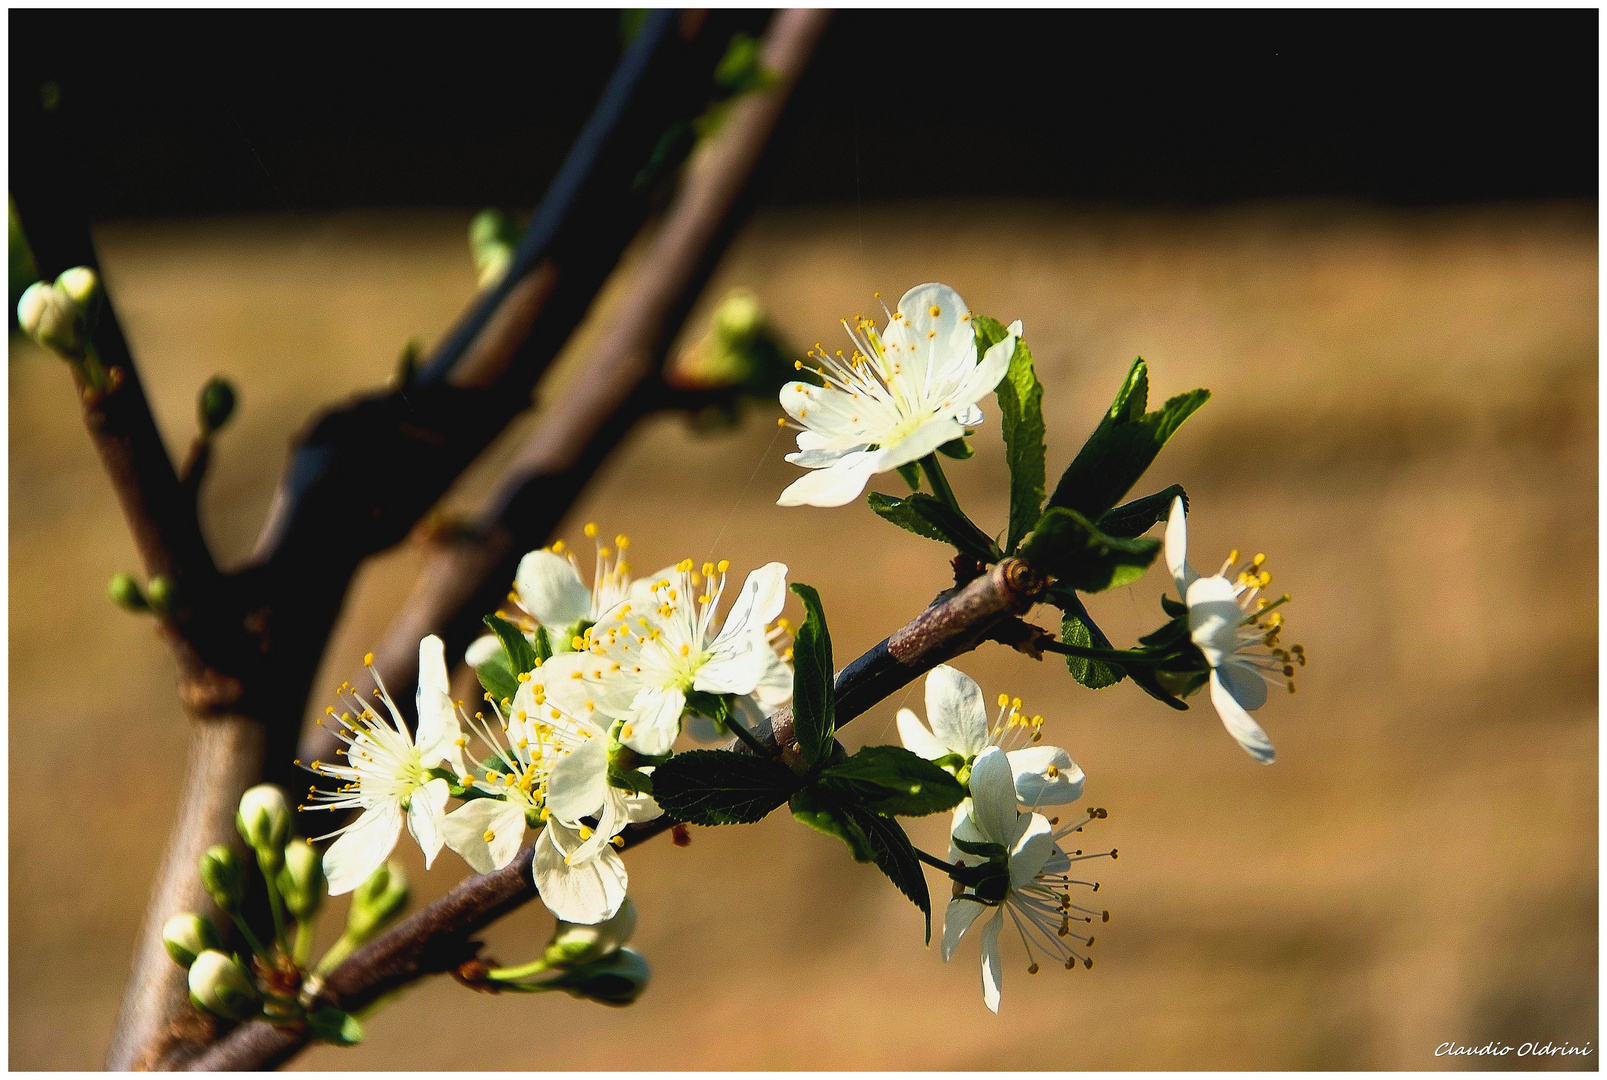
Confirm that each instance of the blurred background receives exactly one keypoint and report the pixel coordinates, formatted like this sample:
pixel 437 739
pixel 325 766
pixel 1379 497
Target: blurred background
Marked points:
pixel 1378 251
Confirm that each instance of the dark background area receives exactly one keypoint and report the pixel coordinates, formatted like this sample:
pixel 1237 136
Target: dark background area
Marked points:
pixel 192 113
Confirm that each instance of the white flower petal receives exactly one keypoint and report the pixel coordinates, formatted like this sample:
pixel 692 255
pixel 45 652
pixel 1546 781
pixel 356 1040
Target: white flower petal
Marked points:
pixel 836 485
pixel 993 798
pixel 550 589
pixel 956 710
pixel 1239 724
pixel 735 666
pixel 917 739
pixel 654 720
pixel 578 783
pixel 1214 617
pixel 963 828
pixel 988 373
pixel 1244 682
pixel 1177 548
pixel 589 892
pixel 775 685
pixel 1035 787
pixel 957 919
pixel 363 847
pixel 1035 847
pixel 763 595
pixel 482 649
pixel 465 829
pixel 922 441
pixel 438 730
pixel 992 970
pixel 425 812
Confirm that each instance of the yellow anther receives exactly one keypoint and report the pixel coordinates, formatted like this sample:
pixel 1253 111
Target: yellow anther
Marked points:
pixel 685 650
pixel 591 529
pixel 723 565
pixel 557 547
pixel 489 836
pixel 708 569
pixel 781 421
pixel 622 541
pixel 460 741
pixel 330 711
pixel 936 311
pixel 1053 771
pixel 797 365
pixel 1015 703
pixel 368 659
pixel 618 841
pixel 524 676
pixel 585 833
pixel 603 553
pixel 577 643
pixel 1004 699
pixel 627 731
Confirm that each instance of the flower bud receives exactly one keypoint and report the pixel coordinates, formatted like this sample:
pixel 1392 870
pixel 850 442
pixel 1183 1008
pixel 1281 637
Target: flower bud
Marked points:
pixel 492 239
pixel 215 404
pixel 738 318
pixel 377 901
pixel 159 594
pixel 81 285
pixel 617 979
pixel 49 316
pixel 125 593
pixel 187 935
pixel 264 823
pixel 301 882
pixel 220 985
pixel 219 870
pixel 574 944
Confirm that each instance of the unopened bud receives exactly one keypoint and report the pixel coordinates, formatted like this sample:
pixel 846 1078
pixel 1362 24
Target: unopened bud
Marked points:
pixel 215 404
pixel 264 823
pixel 159 594
pixel 49 316
pixel 377 901
pixel 219 870
pixel 617 979
pixel 220 985
pixel 301 882
pixel 491 240
pixel 574 944
pixel 125 593
pixel 739 317
pixel 82 286
pixel 187 935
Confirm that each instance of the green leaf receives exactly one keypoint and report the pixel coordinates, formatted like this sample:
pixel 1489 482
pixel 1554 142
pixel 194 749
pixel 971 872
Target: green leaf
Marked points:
pixel 499 682
pixel 334 1026
pixel 890 780
pixel 1174 608
pixel 1094 674
pixel 520 653
pixel 814 680
pixel 1136 518
pixel 1173 633
pixel 895 856
pixel 542 645
pixel 911 472
pixel 721 787
pixel 1066 545
pixel 958 449
pixel 986 850
pixel 815 807
pixel 926 516
pixel 1122 446
pixel 1020 397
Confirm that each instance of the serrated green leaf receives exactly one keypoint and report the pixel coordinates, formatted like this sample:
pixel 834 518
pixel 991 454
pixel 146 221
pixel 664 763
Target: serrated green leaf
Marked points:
pixel 814 807
pixel 1094 674
pixel 1081 557
pixel 1020 397
pixel 721 787
pixel 814 680
pixel 1122 446
pixel 1137 517
pixel 911 472
pixel 926 516
pixel 498 681
pixel 515 646
pixel 334 1026
pixel 895 857
pixel 890 780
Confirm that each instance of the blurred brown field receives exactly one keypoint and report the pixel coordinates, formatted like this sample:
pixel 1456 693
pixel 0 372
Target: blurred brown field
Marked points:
pixel 1403 419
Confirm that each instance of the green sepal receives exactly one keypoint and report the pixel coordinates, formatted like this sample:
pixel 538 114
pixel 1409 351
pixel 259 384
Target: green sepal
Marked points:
pixel 1020 397
pixel 520 654
pixel 542 646
pixel 634 780
pixel 958 449
pixel 1094 674
pixel 716 707
pixel 721 787
pixel 1145 676
pixel 1173 633
pixel 895 857
pixel 815 807
pixel 498 680
pixel 989 851
pixel 1122 446
pixel 1139 516
pixel 890 780
pixel 334 1026
pixel 814 681
pixel 1067 545
pixel 1174 608
pixel 911 472
pixel 927 516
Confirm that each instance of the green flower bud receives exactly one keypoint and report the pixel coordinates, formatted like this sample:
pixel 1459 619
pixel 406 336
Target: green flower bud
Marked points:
pixel 125 593
pixel 219 869
pixel 574 944
pixel 301 882
pixel 739 318
pixel 492 239
pixel 82 286
pixel 264 823
pixel 220 985
pixel 49 316
pixel 618 979
pixel 376 902
pixel 187 935
pixel 215 404
pixel 160 594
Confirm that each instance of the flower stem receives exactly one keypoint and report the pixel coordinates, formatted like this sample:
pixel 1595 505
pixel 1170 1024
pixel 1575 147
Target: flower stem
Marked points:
pixel 940 483
pixel 932 860
pixel 337 953
pixel 1113 656
pixel 523 971
pixel 302 952
pixel 277 905
pixel 251 938
pixel 747 738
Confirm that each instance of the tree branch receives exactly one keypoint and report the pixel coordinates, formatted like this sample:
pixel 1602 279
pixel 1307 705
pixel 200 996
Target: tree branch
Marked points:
pixel 437 938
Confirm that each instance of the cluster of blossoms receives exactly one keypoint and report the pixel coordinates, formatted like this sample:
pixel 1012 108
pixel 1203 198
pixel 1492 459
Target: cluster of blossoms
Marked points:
pixel 627 662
